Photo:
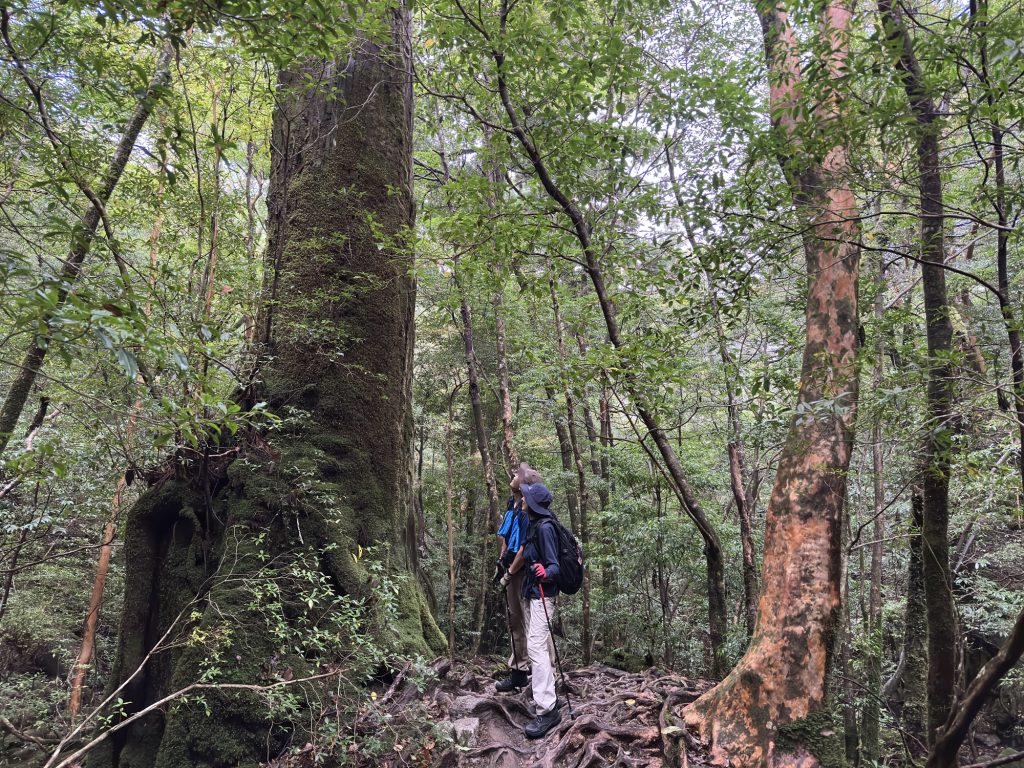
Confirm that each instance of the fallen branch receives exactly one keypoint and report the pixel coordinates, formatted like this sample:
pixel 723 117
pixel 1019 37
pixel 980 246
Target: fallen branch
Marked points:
pixel 8 726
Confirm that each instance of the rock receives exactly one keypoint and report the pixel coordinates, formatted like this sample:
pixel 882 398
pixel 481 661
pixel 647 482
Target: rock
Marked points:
pixel 466 730
pixel 466 705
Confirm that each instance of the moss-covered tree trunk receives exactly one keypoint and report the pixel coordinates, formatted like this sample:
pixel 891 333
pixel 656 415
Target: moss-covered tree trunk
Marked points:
pixel 770 709
pixel 938 440
pixel 914 682
pixel 249 576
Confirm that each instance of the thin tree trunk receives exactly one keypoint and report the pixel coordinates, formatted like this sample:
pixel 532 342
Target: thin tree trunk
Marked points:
pixel 942 628
pixel 602 496
pixel 870 730
pixel 851 735
pixel 449 481
pixel 508 441
pixel 95 599
pixel 736 477
pixel 487 466
pixel 480 428
pixel 483 572
pixel 914 679
pixel 717 609
pixel 572 501
pixel 577 456
pixel 12 569
pixel 734 447
pixel 421 512
pixel 783 676
pixel 949 740
pixel 604 417
pixel 91 623
pixel 81 240
pixel 979 18
pixel 607 443
pixel 210 273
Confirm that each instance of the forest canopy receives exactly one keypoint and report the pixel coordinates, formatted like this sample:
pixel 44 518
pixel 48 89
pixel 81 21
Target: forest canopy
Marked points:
pixel 290 292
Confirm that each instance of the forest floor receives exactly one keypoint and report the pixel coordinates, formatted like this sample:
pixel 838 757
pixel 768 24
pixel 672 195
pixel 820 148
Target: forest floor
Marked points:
pixel 618 719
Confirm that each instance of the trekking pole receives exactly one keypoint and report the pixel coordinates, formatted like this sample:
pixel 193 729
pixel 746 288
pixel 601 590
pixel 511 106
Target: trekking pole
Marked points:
pixel 508 620
pixel 558 659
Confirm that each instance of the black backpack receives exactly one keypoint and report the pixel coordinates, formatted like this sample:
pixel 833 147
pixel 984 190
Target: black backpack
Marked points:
pixel 570 559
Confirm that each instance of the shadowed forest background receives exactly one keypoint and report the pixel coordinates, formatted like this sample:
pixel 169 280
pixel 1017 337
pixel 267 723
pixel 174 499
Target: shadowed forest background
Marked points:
pixel 288 291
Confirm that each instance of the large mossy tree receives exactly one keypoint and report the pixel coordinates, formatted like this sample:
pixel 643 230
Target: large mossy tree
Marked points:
pixel 261 561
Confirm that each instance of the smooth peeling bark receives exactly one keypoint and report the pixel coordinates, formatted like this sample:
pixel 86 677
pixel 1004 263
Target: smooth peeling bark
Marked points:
pixel 770 709
pixel 782 677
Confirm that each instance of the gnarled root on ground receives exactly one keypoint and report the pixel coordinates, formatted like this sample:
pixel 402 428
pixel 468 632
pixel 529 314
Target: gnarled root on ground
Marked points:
pixel 617 719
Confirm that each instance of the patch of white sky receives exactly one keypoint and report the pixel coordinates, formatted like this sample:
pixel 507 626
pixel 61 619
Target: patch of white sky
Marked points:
pixel 698 43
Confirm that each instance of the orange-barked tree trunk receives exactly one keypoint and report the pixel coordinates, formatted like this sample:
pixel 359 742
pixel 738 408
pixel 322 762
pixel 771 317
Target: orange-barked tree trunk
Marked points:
pixel 782 677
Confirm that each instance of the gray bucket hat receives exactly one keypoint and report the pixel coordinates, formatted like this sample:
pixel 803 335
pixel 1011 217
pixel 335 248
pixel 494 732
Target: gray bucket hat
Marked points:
pixel 538 498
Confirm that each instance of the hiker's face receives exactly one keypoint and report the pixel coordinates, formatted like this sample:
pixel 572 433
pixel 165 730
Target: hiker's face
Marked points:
pixel 514 485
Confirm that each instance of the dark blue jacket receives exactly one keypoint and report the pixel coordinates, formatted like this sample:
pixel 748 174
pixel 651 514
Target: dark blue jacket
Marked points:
pixel 541 547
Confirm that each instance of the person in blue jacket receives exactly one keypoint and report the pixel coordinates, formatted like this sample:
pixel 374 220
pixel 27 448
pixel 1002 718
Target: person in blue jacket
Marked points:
pixel 540 590
pixel 511 570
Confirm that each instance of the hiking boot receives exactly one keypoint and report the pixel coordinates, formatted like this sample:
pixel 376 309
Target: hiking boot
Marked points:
pixel 516 679
pixel 541 724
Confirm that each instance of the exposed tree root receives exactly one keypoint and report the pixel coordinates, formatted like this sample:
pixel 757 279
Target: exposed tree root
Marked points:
pixel 618 719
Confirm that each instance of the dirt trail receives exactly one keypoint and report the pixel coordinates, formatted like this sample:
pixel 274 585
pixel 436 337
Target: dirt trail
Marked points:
pixel 618 718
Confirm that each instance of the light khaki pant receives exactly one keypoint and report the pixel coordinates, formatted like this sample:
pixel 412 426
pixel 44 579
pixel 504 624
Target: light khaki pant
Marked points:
pixel 541 648
pixel 517 622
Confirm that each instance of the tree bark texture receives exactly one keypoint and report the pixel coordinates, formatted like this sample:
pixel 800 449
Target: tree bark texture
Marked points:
pixel 780 684
pixel 942 627
pixel 337 478
pixel 449 463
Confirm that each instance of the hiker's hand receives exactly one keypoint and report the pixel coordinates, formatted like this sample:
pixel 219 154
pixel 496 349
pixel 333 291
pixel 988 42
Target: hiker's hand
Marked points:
pixel 539 572
pixel 499 572
pixel 505 579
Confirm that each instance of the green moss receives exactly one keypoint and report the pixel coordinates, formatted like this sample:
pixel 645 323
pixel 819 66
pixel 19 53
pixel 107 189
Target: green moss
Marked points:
pixel 820 733
pixel 280 564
